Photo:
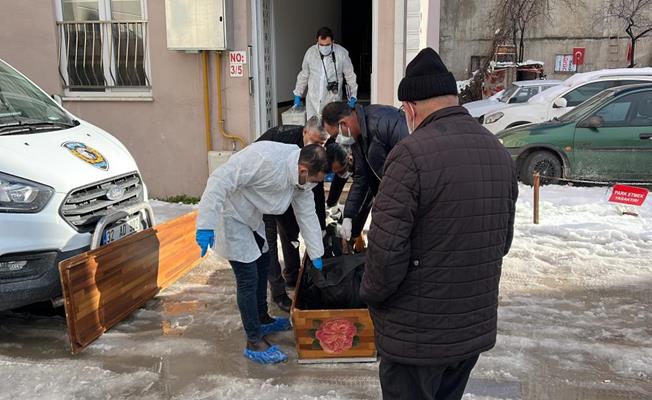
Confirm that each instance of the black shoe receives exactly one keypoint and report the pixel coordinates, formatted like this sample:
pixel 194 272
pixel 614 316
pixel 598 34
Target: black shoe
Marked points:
pixel 291 284
pixel 283 302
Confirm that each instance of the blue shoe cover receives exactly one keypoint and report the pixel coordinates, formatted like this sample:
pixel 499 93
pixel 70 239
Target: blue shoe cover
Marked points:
pixel 280 324
pixel 272 355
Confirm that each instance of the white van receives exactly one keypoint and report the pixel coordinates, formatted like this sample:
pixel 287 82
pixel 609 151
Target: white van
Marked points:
pixel 65 186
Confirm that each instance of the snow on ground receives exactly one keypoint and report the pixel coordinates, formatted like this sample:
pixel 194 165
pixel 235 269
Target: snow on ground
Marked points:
pixel 574 322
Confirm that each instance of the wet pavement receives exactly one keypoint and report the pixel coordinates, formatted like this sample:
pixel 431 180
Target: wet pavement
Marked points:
pixel 562 343
pixel 561 336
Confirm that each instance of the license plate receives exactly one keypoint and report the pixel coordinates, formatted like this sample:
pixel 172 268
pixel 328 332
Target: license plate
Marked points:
pixel 132 225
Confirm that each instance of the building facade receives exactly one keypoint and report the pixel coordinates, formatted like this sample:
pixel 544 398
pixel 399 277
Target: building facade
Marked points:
pixel 109 61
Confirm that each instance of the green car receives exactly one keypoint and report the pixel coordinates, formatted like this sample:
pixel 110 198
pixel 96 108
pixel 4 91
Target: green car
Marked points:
pixel 607 138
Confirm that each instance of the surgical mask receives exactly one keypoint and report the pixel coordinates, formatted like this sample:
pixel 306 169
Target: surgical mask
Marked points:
pixel 407 121
pixel 326 50
pixel 344 140
pixel 307 186
pixel 345 175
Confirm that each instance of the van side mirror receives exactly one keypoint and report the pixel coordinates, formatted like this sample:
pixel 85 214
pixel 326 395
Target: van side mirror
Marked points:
pixel 560 103
pixel 57 99
pixel 593 122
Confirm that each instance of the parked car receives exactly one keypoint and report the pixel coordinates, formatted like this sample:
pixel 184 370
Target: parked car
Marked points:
pixel 518 92
pixel 607 138
pixel 65 186
pixel 561 99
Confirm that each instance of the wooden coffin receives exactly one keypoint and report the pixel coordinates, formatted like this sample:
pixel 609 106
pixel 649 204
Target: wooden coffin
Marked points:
pixel 103 286
pixel 332 336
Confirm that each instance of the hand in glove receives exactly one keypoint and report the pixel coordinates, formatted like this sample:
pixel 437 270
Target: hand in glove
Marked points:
pixel 352 102
pixel 297 101
pixel 205 238
pixel 347 226
pixel 318 264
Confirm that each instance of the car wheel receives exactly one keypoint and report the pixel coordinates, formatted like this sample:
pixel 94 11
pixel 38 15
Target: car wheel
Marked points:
pixel 545 163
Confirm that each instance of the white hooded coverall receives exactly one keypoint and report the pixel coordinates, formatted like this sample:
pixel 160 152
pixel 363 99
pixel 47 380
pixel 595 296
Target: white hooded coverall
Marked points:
pixel 312 75
pixel 262 178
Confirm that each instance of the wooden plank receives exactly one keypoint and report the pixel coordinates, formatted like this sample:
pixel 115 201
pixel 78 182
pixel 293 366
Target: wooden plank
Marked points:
pixel 103 286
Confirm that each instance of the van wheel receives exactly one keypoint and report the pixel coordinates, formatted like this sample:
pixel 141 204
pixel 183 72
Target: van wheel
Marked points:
pixel 545 163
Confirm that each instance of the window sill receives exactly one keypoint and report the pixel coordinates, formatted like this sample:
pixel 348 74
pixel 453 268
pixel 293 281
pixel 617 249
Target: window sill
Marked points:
pixel 145 98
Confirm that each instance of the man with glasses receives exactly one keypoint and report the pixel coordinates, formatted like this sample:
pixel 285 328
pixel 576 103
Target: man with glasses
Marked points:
pixel 371 132
pixel 285 225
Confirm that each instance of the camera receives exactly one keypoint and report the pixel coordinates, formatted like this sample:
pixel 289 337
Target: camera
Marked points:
pixel 332 87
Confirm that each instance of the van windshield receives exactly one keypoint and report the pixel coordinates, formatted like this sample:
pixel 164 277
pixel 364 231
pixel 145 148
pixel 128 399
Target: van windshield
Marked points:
pixel 23 104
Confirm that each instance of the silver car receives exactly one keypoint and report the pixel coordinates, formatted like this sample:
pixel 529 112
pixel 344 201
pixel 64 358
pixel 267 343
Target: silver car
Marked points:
pixel 517 92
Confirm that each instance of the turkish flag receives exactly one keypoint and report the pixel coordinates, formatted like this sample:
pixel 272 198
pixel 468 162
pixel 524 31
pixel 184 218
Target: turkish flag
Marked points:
pixel 578 55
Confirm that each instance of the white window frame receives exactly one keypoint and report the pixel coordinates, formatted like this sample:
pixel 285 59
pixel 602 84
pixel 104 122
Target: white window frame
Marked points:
pixel 109 93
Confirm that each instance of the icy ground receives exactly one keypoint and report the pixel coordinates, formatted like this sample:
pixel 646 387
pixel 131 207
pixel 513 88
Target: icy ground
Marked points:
pixel 575 323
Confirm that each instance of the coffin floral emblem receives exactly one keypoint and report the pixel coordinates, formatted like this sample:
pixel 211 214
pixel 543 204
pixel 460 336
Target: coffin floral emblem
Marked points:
pixel 335 335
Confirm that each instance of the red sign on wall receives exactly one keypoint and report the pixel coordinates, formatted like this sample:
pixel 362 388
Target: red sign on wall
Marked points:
pixel 578 55
pixel 630 195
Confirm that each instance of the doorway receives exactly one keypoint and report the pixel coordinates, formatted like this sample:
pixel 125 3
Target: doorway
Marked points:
pixel 293 25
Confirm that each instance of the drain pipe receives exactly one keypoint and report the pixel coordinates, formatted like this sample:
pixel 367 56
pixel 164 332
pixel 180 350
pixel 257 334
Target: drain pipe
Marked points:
pixel 220 119
pixel 207 108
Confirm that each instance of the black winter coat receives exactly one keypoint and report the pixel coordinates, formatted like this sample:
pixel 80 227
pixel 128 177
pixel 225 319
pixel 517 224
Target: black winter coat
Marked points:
pixel 441 224
pixel 382 127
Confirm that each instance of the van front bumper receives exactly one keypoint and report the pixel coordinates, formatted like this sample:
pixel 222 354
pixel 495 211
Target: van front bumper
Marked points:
pixel 31 277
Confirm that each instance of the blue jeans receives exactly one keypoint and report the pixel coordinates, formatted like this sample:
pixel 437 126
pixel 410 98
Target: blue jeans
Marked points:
pixel 251 279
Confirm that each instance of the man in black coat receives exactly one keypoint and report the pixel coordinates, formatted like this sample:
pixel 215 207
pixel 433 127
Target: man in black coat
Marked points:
pixel 286 225
pixel 371 131
pixel 441 224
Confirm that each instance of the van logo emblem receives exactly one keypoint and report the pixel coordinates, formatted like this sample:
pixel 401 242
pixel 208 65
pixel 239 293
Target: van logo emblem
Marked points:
pixel 87 154
pixel 115 192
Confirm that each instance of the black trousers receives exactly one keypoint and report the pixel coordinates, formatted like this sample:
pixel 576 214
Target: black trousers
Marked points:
pixel 287 228
pixel 437 382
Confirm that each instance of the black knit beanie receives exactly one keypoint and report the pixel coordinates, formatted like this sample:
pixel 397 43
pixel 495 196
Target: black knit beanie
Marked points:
pixel 426 76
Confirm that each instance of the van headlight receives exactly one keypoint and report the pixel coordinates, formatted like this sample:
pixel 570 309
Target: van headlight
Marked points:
pixel 22 196
pixel 491 118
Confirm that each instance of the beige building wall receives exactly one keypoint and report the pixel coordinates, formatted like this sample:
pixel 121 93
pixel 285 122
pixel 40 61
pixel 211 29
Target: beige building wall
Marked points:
pixel 165 133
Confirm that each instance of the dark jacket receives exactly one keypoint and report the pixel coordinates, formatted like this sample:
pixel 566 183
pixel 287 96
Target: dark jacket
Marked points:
pixel 382 127
pixel 442 222
pixel 293 134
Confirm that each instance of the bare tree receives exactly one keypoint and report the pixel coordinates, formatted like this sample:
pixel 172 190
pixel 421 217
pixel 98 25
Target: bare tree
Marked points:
pixel 514 17
pixel 636 16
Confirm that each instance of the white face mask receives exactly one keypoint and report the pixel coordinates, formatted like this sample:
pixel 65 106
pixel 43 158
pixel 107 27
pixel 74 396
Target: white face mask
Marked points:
pixel 407 121
pixel 344 140
pixel 345 175
pixel 326 50
pixel 307 186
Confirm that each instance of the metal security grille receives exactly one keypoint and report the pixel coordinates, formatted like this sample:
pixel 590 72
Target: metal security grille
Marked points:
pixel 96 55
pixel 84 207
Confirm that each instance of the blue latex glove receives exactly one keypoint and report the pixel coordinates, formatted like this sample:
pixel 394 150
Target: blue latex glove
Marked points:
pixel 352 102
pixel 205 238
pixel 297 101
pixel 318 264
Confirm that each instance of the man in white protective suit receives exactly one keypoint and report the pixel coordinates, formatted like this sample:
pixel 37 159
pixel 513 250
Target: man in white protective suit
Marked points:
pixel 324 67
pixel 263 178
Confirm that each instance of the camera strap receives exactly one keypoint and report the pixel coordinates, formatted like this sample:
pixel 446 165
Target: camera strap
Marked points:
pixel 334 65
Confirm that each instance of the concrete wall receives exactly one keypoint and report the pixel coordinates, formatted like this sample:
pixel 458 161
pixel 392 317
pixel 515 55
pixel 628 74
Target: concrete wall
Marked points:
pixel 166 135
pixel 466 31
pixel 295 24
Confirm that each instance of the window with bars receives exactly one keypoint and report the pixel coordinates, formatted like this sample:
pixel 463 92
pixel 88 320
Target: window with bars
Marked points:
pixel 103 45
